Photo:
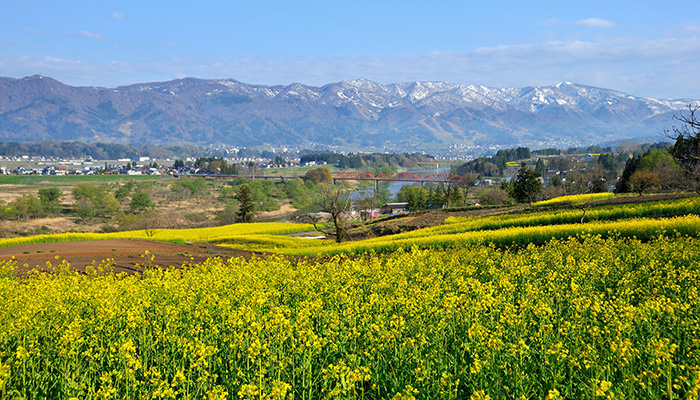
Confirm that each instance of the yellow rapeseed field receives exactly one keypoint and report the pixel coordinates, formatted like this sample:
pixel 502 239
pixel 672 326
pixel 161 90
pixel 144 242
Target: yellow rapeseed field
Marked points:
pixel 581 318
pixel 644 228
pixel 575 199
pixel 214 234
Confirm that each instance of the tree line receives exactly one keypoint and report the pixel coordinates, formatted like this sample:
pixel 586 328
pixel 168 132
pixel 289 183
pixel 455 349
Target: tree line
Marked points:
pixel 359 161
pixel 101 151
pixel 89 201
pixel 660 167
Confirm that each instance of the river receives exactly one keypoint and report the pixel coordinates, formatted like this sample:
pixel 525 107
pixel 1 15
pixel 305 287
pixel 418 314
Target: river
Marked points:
pixel 394 187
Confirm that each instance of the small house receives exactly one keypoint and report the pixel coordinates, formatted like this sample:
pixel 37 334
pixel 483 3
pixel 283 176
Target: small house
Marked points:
pixel 395 208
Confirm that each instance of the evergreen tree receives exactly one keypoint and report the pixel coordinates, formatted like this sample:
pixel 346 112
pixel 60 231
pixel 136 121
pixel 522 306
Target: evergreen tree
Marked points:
pixel 246 207
pixel 540 167
pixel 527 184
pixel 622 185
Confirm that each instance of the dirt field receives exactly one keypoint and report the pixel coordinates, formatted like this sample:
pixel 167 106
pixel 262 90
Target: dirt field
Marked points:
pixel 123 254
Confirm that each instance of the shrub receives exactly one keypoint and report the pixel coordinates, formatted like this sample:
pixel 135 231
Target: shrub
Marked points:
pixel 141 202
pixel 319 175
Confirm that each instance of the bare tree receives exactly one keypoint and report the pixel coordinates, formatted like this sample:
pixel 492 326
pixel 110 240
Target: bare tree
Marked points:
pixel 642 181
pixel 366 203
pixel 686 150
pixel 466 182
pixel 336 202
pixel 448 186
pixel 313 219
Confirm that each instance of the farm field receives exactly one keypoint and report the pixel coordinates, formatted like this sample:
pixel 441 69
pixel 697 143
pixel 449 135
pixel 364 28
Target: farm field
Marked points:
pixel 117 255
pixel 102 203
pixel 123 251
pixel 528 305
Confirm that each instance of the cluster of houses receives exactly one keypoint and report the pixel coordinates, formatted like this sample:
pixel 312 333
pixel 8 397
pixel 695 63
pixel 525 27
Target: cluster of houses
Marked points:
pixel 87 166
pixel 127 166
pixel 88 170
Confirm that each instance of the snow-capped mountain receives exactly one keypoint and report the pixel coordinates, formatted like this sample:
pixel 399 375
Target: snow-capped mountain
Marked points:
pixel 355 114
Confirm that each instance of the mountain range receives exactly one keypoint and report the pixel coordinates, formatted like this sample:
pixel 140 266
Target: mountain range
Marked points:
pixel 352 115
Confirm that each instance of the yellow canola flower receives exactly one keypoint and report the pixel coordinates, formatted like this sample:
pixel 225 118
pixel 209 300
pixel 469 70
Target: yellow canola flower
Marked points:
pixel 214 234
pixel 589 317
pixel 479 395
pixel 575 199
pixel 646 228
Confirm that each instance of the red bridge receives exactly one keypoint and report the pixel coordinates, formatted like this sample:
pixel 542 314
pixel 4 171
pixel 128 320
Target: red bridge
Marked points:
pixel 350 176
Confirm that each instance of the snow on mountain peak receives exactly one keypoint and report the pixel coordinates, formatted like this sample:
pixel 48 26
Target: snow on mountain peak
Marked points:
pixel 403 114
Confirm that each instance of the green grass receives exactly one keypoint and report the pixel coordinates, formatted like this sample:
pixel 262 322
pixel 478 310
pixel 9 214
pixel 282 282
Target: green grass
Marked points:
pixel 294 171
pixel 75 179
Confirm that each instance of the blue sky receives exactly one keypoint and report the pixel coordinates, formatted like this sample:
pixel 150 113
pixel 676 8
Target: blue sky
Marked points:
pixel 639 47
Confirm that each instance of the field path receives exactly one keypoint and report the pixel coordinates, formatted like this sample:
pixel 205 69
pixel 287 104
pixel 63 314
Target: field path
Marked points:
pixel 124 254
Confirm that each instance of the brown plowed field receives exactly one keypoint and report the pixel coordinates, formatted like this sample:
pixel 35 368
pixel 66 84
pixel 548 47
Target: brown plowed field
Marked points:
pixel 122 254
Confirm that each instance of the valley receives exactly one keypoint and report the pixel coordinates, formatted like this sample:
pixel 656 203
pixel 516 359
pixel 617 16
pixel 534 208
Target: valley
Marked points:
pixel 436 117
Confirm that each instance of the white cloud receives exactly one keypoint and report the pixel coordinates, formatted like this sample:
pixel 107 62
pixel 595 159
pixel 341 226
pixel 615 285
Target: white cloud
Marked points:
pixel 690 28
pixel 548 22
pixel 664 68
pixel 661 68
pixel 81 34
pixel 90 35
pixel 71 72
pixel 117 15
pixel 594 23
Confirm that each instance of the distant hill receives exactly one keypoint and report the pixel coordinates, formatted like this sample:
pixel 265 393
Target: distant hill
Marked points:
pixel 357 114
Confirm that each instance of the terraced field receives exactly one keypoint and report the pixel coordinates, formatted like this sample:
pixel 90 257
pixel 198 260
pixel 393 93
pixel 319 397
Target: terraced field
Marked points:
pixel 532 305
